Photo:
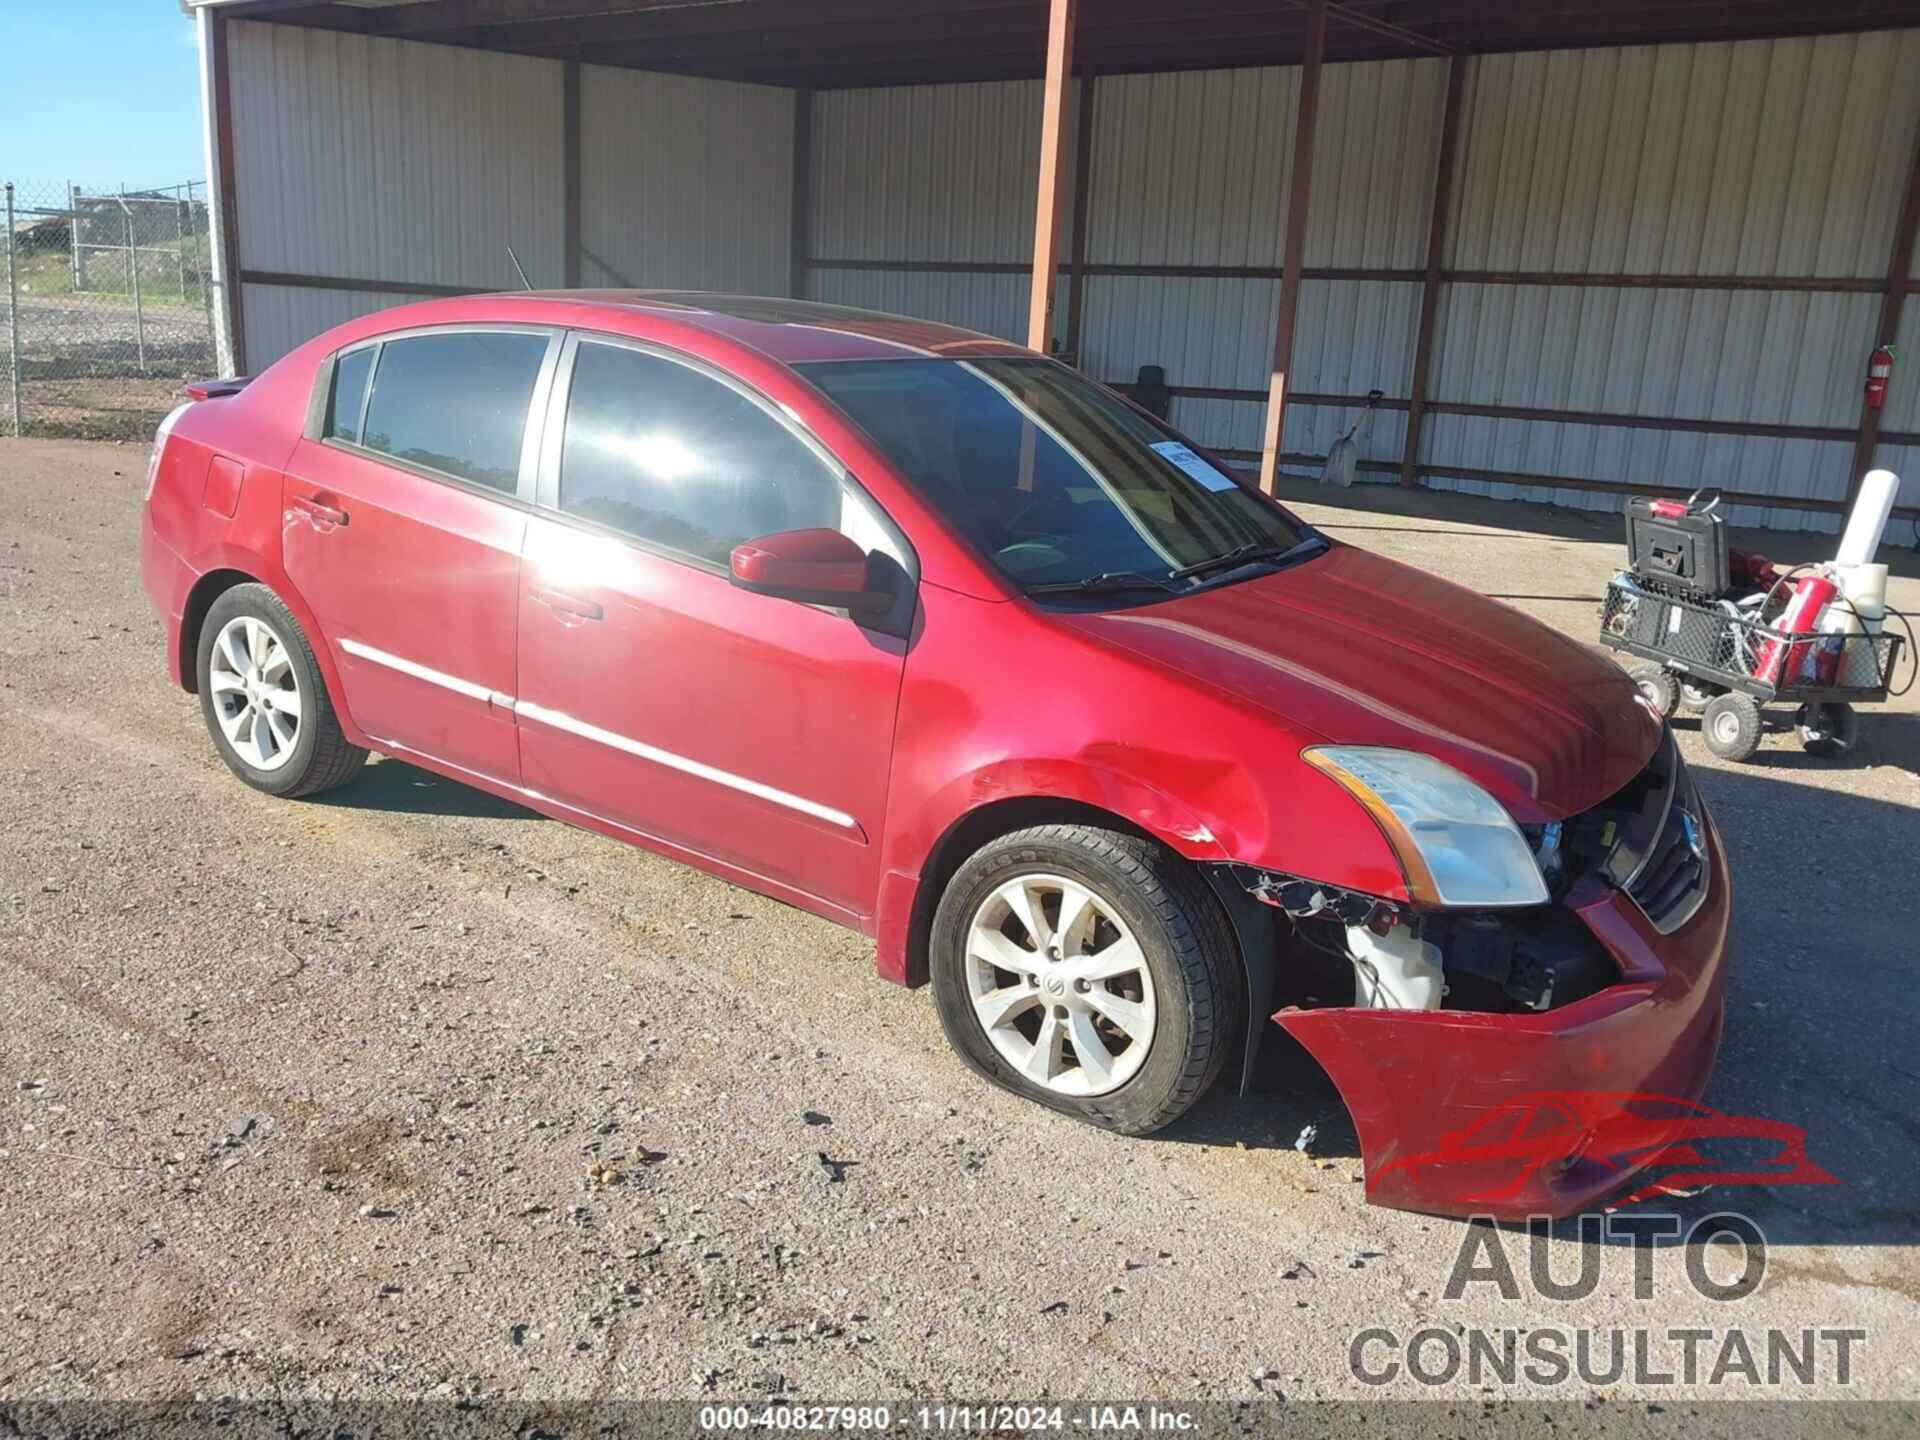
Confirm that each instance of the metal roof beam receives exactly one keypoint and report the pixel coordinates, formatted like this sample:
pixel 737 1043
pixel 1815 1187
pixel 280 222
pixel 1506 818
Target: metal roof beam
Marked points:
pixel 934 36
pixel 826 22
pixel 424 19
pixel 1379 25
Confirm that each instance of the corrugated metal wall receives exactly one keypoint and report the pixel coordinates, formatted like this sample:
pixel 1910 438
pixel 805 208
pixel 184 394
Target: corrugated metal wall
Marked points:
pixel 374 159
pixel 684 182
pixel 1778 159
pixel 381 160
pixel 1766 160
pixel 1186 170
pixel 1781 158
pixel 1194 170
pixel 923 174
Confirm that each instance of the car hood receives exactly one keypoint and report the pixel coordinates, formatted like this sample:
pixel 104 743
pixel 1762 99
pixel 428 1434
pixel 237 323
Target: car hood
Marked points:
pixel 1352 648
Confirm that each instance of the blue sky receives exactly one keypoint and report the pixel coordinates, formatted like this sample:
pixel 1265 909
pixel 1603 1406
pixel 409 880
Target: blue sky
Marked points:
pixel 102 92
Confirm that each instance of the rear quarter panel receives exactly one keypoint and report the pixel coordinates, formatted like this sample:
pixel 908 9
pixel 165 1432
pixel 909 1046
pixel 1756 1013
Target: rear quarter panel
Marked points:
pixel 199 521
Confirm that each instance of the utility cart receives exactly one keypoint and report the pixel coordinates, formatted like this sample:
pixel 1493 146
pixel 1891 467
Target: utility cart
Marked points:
pixel 1728 661
pixel 1726 633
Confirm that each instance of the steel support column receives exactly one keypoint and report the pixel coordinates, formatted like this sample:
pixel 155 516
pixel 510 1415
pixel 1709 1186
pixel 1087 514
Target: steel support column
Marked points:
pixel 1437 219
pixel 1046 217
pixel 224 211
pixel 800 216
pixel 1082 180
pixel 570 171
pixel 1298 193
pixel 1893 300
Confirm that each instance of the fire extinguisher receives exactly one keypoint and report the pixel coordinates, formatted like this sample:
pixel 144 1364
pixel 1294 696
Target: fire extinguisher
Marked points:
pixel 1777 661
pixel 1879 371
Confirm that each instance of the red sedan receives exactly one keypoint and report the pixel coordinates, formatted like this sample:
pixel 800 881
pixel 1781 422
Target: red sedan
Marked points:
pixel 928 634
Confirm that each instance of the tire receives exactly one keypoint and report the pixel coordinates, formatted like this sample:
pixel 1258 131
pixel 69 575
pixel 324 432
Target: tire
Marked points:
pixel 1695 696
pixel 1827 729
pixel 272 722
pixel 1659 687
pixel 1731 725
pixel 1181 1001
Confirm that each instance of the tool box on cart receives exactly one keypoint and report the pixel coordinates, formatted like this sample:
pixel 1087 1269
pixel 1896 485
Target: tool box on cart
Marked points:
pixel 1678 548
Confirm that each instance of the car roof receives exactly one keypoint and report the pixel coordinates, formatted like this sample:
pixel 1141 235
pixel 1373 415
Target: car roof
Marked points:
pixel 792 331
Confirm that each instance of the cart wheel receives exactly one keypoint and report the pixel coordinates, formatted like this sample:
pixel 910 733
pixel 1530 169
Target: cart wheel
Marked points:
pixel 1696 697
pixel 1658 688
pixel 1732 725
pixel 1827 729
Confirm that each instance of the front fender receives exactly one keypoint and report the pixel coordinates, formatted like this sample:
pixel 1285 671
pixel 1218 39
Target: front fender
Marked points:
pixel 1138 801
pixel 910 845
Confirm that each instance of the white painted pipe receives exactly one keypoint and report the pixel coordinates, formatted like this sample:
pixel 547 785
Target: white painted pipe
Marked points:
pixel 1869 519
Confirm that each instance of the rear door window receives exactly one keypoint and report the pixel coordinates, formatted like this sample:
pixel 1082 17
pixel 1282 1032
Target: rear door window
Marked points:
pixel 669 455
pixel 455 402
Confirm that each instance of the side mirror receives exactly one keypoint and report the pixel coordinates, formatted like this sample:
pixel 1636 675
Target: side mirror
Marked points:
pixel 814 567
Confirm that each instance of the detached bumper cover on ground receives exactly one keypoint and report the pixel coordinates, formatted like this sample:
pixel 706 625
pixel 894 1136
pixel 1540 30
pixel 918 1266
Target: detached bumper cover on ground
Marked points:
pixel 1411 1080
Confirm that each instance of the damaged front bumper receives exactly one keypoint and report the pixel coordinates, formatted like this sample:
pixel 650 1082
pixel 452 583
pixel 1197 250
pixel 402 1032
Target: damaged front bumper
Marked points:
pixel 1416 1081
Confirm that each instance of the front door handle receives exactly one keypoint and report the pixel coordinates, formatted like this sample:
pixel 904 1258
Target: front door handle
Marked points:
pixel 568 609
pixel 323 516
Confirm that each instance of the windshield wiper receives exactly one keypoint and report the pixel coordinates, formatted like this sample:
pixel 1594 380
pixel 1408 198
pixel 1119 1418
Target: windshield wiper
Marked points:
pixel 1105 580
pixel 1245 554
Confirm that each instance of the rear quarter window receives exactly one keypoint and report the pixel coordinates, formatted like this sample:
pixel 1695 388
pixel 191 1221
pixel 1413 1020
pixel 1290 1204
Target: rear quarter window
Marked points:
pixel 350 374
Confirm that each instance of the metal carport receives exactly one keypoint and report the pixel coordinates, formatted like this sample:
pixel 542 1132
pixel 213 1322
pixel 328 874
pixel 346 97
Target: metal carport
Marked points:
pixel 1583 248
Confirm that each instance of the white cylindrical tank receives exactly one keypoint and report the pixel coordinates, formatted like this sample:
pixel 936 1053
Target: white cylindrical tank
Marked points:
pixel 1868 522
pixel 1865 588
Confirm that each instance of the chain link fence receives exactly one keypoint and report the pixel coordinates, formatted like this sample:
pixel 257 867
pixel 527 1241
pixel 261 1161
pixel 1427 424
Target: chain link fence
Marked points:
pixel 107 307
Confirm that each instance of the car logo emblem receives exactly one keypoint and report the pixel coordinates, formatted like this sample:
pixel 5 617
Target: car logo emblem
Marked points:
pixel 1696 839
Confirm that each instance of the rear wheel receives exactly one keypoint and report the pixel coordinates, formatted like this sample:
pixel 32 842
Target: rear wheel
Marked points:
pixel 1089 970
pixel 1658 688
pixel 1827 728
pixel 1731 725
pixel 1694 696
pixel 265 703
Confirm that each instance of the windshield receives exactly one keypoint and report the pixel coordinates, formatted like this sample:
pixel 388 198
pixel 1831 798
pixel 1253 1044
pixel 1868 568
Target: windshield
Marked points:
pixel 1069 490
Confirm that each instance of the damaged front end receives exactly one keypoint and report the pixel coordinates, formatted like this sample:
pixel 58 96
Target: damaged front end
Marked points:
pixel 1428 1018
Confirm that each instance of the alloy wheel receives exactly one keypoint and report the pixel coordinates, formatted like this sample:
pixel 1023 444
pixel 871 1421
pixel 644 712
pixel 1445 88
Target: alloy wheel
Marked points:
pixel 256 692
pixel 1060 986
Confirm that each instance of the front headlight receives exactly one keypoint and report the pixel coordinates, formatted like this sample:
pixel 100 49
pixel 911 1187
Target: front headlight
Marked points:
pixel 1455 842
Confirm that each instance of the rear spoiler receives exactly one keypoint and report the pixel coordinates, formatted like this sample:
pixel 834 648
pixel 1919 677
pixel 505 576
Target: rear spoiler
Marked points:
pixel 217 389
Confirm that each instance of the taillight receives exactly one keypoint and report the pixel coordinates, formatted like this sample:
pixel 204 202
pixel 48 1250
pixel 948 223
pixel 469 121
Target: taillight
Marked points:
pixel 160 444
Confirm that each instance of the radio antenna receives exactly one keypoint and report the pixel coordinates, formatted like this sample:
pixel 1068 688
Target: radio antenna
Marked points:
pixel 525 284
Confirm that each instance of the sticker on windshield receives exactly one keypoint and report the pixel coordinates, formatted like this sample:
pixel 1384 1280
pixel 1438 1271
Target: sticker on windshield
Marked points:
pixel 1200 468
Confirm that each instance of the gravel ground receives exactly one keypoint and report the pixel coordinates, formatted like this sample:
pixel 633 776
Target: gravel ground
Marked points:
pixel 409 1092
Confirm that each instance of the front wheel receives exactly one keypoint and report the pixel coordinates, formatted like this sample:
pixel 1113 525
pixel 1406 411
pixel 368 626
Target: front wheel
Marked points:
pixel 1089 970
pixel 1731 725
pixel 264 700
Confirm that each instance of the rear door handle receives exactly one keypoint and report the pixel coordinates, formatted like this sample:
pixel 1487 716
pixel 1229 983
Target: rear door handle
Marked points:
pixel 569 609
pixel 318 511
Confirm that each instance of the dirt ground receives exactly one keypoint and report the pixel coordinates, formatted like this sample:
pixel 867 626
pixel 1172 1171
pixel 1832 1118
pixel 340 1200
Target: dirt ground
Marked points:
pixel 305 1099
